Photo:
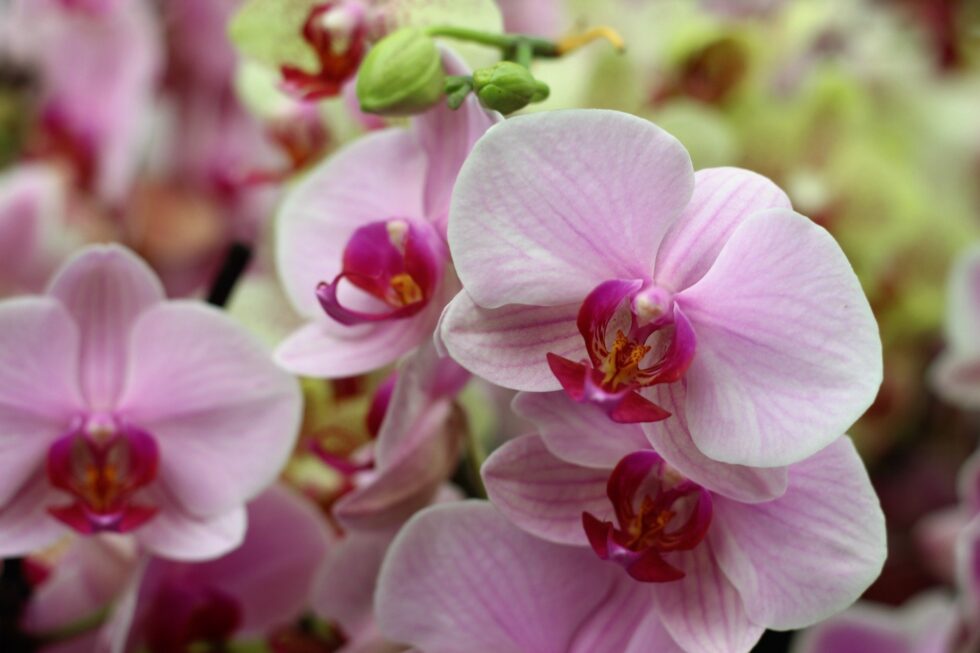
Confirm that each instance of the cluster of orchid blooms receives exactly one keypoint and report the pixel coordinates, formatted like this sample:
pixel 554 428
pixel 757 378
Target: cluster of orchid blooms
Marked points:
pixel 683 352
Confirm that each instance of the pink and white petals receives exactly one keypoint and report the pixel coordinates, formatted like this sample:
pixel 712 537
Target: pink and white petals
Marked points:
pixel 105 289
pixel 39 391
pixel 788 352
pixel 543 494
pixel 225 417
pixel 579 433
pixel 481 586
pixel 24 522
pixel 826 533
pixel 926 624
pixel 324 348
pixel 704 612
pixel 723 198
pixel 509 345
pixel 671 438
pixel 548 206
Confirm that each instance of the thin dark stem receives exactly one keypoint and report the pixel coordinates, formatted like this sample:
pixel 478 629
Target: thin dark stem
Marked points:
pixel 234 265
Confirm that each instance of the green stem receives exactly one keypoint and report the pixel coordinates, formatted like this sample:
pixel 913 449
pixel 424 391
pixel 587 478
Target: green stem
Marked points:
pixel 475 455
pixel 505 42
pixel 524 53
pixel 76 628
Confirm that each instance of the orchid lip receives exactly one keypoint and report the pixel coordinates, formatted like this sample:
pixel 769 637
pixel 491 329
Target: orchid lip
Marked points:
pixel 636 336
pixel 397 262
pixel 103 463
pixel 657 511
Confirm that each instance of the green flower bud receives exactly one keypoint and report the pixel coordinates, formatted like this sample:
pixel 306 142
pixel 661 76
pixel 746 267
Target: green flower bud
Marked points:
pixel 507 87
pixel 401 75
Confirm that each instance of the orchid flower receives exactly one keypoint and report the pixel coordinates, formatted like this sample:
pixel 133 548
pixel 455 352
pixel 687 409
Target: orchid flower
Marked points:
pixel 260 587
pixel 318 45
pixel 722 552
pixel 939 531
pixel 956 374
pixel 484 586
pixel 361 243
pixel 123 412
pixel 416 451
pixel 595 260
pixel 923 625
pixel 98 64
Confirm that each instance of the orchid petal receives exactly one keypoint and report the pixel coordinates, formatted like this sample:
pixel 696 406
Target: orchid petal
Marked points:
pixel 322 350
pixel 39 392
pixel 548 206
pixel 703 611
pixel 672 440
pixel 25 525
pixel 925 624
pixel 409 481
pixel 508 346
pixel 177 535
pixel 460 577
pixel 224 417
pixel 723 198
pixel 579 433
pixel 271 577
pixel 788 353
pixel 345 586
pixel 542 494
pixel 105 289
pixel 956 378
pixel 826 533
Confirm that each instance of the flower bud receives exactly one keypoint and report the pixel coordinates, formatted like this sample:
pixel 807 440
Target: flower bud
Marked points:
pixel 401 75
pixel 507 87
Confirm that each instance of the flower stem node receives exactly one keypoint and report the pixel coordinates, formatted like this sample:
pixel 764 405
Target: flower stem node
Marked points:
pixel 402 75
pixel 508 86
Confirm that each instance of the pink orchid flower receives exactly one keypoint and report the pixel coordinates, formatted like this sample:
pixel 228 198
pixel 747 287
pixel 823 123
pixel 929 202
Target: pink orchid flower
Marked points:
pixel 926 624
pixel 123 412
pixel 361 243
pixel 484 586
pixel 956 374
pixel 416 451
pixel 260 587
pixel 595 260
pixel 724 552
pixel 939 531
pixel 99 64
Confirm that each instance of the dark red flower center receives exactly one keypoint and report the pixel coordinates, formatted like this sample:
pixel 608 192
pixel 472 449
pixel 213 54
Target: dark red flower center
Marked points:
pixel 657 512
pixel 103 463
pixel 636 337
pixel 337 32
